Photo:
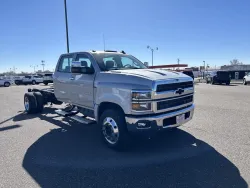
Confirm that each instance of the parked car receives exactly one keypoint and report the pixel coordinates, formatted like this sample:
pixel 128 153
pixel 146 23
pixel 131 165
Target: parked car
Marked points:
pixel 18 80
pixel 218 77
pixel 118 92
pixel 189 73
pixel 48 78
pixel 32 79
pixel 246 79
pixel 5 82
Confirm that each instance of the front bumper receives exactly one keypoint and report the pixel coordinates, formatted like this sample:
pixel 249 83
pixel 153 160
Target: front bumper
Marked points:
pixel 154 123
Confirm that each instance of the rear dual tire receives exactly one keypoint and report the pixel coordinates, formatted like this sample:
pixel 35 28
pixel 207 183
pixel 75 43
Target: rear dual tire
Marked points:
pixel 33 102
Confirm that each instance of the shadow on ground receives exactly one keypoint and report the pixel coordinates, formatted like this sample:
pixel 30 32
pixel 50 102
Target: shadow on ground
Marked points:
pixel 9 127
pixel 74 156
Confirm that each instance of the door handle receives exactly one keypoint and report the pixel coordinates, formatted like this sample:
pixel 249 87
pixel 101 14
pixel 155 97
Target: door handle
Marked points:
pixel 72 78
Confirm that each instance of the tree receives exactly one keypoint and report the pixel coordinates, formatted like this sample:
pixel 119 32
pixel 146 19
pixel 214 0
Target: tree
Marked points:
pixel 235 62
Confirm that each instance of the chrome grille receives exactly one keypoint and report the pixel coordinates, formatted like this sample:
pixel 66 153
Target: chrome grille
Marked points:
pixel 174 86
pixel 174 102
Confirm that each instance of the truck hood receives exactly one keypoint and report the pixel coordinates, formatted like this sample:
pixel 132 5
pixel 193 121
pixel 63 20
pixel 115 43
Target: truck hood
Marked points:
pixel 151 74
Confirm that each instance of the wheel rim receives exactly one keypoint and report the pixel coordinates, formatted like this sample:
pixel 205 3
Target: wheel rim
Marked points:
pixel 69 107
pixel 33 82
pixel 7 84
pixel 110 130
pixel 26 103
pixel 244 81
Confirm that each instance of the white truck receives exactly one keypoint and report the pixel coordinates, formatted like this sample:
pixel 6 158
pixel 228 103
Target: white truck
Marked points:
pixel 117 92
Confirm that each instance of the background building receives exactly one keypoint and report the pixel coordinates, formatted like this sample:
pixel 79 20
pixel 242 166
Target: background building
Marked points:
pixel 237 71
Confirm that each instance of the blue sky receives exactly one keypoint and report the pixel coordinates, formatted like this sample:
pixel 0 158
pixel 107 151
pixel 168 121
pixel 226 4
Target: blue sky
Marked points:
pixel 193 30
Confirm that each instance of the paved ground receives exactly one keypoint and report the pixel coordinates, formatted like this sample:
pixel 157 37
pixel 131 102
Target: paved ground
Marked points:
pixel 213 150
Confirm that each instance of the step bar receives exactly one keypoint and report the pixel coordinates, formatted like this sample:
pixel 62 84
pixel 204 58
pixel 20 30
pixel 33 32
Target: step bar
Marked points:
pixel 72 115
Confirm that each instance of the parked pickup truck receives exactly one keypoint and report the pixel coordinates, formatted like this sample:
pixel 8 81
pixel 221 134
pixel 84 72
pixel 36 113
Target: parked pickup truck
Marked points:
pixel 119 93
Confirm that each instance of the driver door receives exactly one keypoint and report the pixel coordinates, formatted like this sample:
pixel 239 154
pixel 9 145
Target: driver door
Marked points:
pixel 82 91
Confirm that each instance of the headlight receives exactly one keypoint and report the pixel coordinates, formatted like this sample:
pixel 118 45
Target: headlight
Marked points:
pixel 138 95
pixel 141 106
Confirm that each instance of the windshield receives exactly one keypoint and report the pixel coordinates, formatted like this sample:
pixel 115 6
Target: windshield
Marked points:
pixel 115 61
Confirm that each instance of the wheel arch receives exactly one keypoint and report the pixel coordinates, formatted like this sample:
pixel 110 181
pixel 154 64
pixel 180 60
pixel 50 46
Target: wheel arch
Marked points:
pixel 106 105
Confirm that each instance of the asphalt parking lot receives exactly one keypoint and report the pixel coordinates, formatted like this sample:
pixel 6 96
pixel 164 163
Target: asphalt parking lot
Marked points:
pixel 213 150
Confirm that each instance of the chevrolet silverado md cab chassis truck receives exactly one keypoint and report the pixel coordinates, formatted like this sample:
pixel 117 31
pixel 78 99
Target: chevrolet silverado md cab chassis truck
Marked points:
pixel 118 92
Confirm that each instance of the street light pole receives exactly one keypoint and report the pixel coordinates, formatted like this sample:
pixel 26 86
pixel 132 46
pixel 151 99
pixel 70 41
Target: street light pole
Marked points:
pixel 204 69
pixel 66 22
pixel 43 64
pixel 178 61
pixel 152 50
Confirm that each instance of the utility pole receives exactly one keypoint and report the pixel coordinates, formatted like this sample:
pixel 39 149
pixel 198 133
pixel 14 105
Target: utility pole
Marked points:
pixel 66 22
pixel 152 50
pixel 204 69
pixel 43 64
pixel 178 61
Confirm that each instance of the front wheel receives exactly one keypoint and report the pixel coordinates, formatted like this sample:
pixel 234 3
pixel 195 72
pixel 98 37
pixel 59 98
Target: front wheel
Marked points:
pixel 227 83
pixel 113 129
pixel 45 83
pixel 33 82
pixel 244 82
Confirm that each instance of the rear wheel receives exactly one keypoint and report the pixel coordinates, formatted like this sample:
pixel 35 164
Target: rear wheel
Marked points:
pixel 227 83
pixel 30 103
pixel 6 84
pixel 45 83
pixel 39 101
pixel 33 82
pixel 113 129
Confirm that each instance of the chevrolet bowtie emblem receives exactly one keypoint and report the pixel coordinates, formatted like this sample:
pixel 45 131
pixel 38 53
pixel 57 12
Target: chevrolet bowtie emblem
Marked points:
pixel 179 91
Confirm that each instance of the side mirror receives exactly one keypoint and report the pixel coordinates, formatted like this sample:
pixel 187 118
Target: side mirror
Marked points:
pixel 77 68
pixel 146 64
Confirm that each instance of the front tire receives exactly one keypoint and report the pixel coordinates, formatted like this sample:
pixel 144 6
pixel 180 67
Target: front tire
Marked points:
pixel 6 84
pixel 113 129
pixel 244 82
pixel 45 83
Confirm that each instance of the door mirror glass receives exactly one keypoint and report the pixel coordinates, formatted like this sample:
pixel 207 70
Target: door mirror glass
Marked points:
pixel 76 67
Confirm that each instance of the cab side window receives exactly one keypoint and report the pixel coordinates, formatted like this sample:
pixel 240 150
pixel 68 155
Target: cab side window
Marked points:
pixel 65 64
pixel 85 61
